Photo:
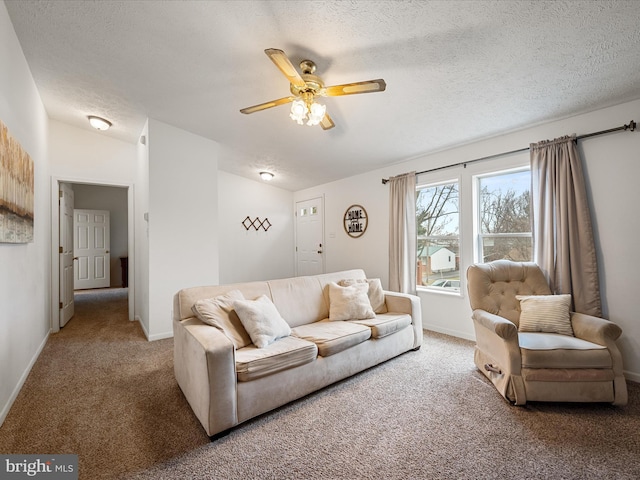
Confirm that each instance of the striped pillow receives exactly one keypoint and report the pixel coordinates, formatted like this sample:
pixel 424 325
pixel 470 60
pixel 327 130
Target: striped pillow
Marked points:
pixel 545 313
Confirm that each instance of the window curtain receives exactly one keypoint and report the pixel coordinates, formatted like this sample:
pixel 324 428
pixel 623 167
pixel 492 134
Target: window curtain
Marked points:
pixel 562 232
pixel 402 233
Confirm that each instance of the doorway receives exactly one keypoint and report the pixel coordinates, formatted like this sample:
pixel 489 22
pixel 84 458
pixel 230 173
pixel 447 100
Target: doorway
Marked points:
pixel 310 237
pixel 118 200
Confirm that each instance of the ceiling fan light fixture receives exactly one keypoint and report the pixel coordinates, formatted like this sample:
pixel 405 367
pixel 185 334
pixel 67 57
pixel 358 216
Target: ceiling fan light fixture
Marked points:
pixel 316 113
pixel 99 123
pixel 267 176
pixel 305 109
pixel 298 111
pixel 305 87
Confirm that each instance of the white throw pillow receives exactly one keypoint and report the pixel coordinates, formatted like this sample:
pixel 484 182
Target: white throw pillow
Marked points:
pixel 545 313
pixel 262 320
pixel 375 292
pixel 218 312
pixel 349 303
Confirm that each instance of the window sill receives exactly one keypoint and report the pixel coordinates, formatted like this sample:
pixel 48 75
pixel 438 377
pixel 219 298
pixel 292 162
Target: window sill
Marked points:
pixel 439 291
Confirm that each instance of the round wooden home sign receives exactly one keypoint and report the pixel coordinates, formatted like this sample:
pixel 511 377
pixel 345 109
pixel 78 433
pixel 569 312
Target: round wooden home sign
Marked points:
pixel 355 221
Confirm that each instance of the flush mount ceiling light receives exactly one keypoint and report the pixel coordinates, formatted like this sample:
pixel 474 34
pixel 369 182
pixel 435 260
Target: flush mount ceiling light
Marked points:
pixel 305 87
pixel 266 176
pixel 99 123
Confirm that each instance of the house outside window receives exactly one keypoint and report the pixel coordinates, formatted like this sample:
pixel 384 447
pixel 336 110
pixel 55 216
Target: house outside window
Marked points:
pixel 438 246
pixel 503 226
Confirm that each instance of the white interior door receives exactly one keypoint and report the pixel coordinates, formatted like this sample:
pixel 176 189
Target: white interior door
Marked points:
pixel 66 253
pixel 91 248
pixel 309 237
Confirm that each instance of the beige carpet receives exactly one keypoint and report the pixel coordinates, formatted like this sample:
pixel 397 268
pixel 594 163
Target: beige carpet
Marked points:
pixel 100 390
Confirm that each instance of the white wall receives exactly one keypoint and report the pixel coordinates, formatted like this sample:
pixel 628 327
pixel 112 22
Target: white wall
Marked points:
pixel 247 255
pixel 113 199
pixel 88 156
pixel 612 169
pixel 24 268
pixel 183 219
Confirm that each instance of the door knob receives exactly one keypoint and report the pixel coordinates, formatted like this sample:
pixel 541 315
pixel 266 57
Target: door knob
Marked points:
pixel 319 251
pixel 107 251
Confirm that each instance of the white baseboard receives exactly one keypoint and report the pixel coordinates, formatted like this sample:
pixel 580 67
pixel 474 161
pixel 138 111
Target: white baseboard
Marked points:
pixel 160 336
pixel 453 333
pixel 632 376
pixel 142 325
pixel 157 336
pixel 23 378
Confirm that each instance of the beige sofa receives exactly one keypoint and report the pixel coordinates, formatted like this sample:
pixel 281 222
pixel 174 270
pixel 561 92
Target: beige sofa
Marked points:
pixel 226 386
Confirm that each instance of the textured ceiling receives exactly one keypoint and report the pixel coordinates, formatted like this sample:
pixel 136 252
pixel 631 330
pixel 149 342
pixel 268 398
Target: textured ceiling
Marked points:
pixel 456 71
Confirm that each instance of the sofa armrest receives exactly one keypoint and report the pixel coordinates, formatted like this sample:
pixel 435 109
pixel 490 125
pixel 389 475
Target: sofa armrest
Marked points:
pixel 499 325
pixel 594 329
pixel 410 304
pixel 204 365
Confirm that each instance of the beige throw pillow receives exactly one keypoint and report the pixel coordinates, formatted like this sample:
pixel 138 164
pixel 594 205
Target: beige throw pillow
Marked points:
pixel 375 292
pixel 349 303
pixel 218 312
pixel 545 313
pixel 261 319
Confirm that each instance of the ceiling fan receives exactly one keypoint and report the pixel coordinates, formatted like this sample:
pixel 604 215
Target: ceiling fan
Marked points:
pixel 306 87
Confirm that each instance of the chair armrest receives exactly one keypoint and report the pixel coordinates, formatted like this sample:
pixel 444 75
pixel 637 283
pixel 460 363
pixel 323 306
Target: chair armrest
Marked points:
pixel 603 332
pixel 410 304
pixel 594 329
pixel 499 325
pixel 498 355
pixel 204 365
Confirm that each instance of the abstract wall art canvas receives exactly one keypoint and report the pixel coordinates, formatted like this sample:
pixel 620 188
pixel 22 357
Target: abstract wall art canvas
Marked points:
pixel 16 190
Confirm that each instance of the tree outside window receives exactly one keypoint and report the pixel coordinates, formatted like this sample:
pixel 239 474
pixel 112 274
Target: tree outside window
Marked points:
pixel 504 217
pixel 438 247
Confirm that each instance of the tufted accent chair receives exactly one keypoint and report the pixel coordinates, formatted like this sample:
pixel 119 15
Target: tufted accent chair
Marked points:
pixel 536 366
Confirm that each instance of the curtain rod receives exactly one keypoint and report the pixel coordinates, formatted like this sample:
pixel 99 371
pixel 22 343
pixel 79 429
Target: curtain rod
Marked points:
pixel 631 126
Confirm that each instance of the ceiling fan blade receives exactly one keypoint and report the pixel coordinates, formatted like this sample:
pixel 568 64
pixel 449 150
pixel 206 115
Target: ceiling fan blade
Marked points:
pixel 326 123
pixel 284 64
pixel 369 86
pixel 264 106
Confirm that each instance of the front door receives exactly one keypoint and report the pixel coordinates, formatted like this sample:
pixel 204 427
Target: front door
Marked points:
pixel 91 247
pixel 66 253
pixel 309 237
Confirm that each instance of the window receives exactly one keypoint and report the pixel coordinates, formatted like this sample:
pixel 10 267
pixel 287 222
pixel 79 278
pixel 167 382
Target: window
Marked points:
pixel 438 248
pixel 504 218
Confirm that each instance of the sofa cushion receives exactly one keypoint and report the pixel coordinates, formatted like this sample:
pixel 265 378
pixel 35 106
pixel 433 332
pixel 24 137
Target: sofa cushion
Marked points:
pixel 385 324
pixel 349 303
pixel 288 352
pixel 545 313
pixel 299 300
pixel 332 337
pixel 552 350
pixel 375 292
pixel 218 312
pixel 261 319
